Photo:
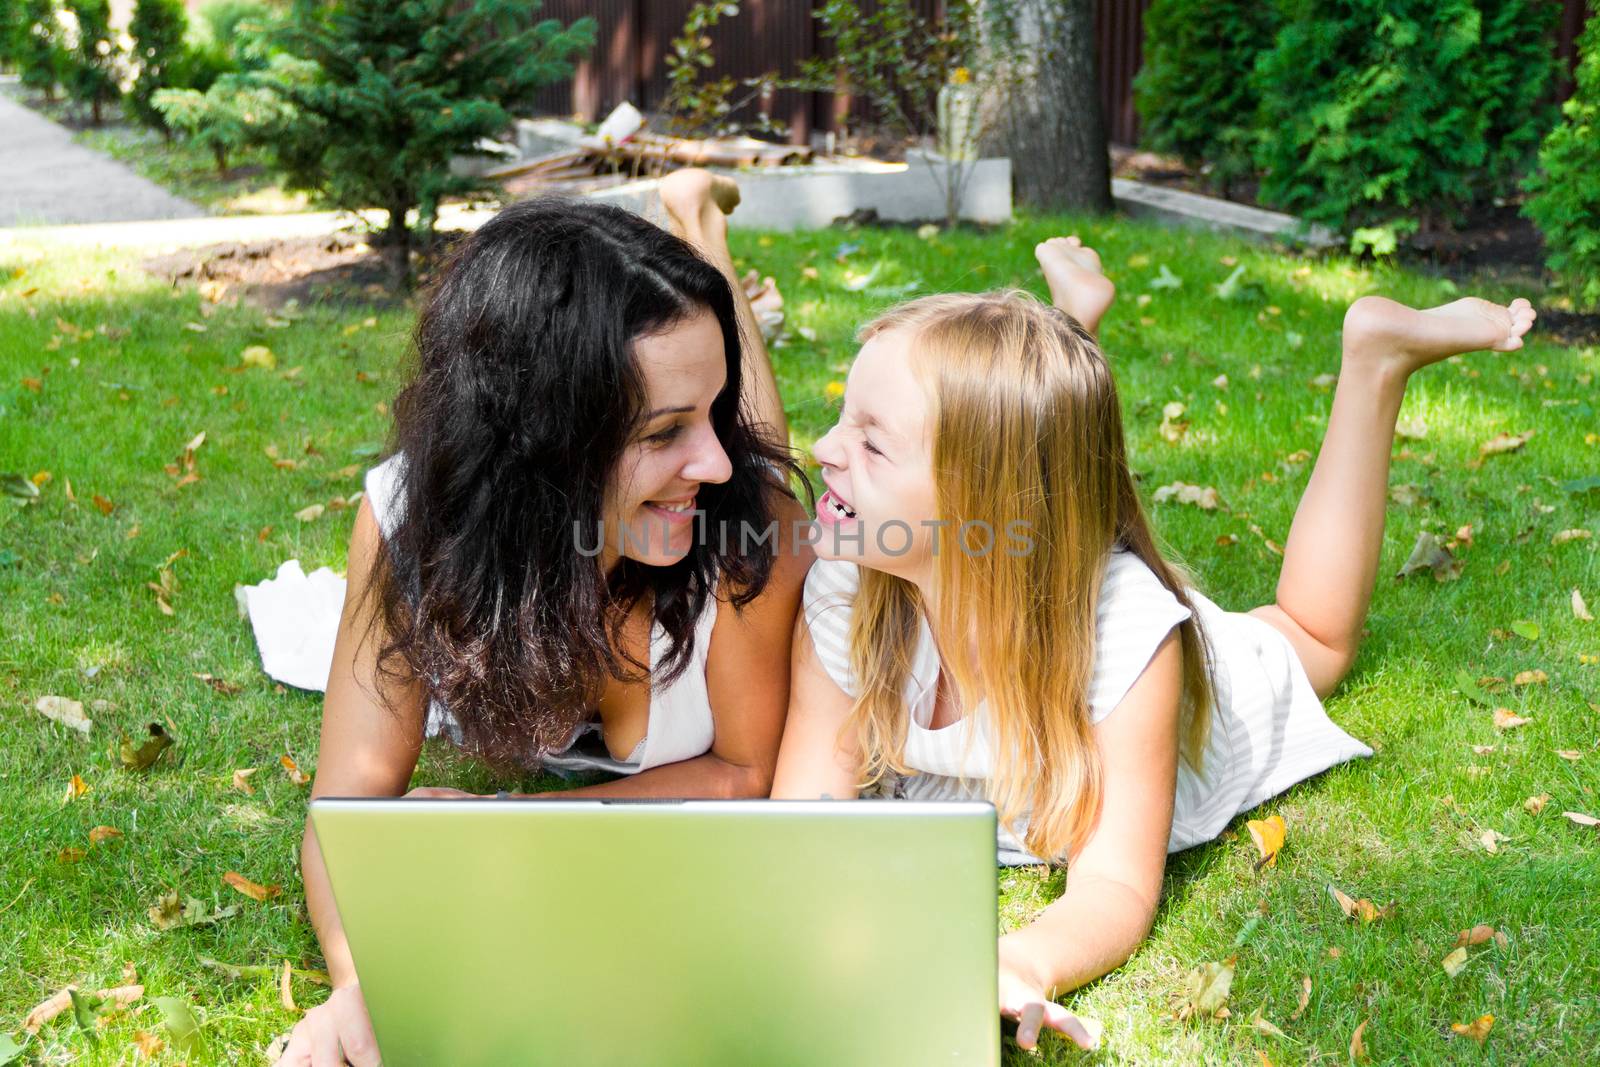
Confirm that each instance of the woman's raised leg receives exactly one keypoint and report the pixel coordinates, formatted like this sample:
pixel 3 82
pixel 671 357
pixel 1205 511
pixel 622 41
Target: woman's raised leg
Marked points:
pixel 1330 561
pixel 698 203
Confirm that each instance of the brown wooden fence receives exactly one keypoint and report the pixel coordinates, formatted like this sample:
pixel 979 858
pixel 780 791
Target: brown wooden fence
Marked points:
pixel 628 62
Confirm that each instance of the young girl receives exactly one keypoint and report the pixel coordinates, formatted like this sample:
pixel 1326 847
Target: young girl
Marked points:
pixel 526 573
pixel 989 615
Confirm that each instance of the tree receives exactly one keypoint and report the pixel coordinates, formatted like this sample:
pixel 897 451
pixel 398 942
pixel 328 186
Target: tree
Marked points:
pixel 157 29
pixel 232 114
pixel 1050 119
pixel 10 29
pixel 92 75
pixel 1564 200
pixel 399 90
pixel 40 52
pixel 912 72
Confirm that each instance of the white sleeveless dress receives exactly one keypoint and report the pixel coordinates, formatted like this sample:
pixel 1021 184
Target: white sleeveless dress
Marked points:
pixel 1268 730
pixel 679 725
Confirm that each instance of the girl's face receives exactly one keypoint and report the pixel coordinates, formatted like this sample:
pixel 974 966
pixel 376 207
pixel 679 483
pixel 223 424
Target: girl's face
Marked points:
pixel 649 503
pixel 877 462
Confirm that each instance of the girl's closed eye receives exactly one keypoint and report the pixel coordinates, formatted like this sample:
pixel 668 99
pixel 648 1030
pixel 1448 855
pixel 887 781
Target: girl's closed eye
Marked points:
pixel 866 443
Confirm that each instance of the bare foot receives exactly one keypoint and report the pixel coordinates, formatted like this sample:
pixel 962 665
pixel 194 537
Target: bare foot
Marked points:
pixel 1077 284
pixel 696 200
pixel 1397 337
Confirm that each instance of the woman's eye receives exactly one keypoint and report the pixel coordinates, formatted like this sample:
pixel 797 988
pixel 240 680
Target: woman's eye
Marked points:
pixel 664 436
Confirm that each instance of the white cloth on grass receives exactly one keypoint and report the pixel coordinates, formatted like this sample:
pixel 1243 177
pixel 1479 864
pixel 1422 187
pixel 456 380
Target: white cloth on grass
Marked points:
pixel 1268 731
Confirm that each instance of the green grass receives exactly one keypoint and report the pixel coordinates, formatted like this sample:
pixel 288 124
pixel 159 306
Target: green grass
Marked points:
pixel 113 408
pixel 186 170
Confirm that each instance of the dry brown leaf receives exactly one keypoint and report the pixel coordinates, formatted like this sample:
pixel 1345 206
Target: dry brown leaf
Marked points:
pixel 1478 1029
pixel 1206 498
pixel 1208 986
pixel 1564 536
pixel 64 711
pixel 1506 719
pixel 292 769
pixel 1362 909
pixel 1490 840
pixel 1430 555
pixel 1533 677
pixel 1502 443
pixel 101 834
pixel 1455 962
pixel 1358 1047
pixel 1482 750
pixel 286 990
pixel 147 1045
pixel 1581 819
pixel 253 890
pixel 221 685
pixel 1569 754
pixel 118 997
pixel 70 854
pixel 1475 936
pixel 241 781
pixel 1580 610
pixel 1305 998
pixel 106 507
pixel 1534 805
pixel 1263 1026
pixel 1268 834
pixel 310 514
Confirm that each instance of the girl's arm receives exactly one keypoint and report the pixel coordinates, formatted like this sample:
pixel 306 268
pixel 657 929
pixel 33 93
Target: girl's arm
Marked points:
pixel 814 760
pixel 1114 879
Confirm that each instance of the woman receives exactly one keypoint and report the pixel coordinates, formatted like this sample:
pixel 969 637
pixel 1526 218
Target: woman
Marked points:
pixel 527 573
pixel 989 615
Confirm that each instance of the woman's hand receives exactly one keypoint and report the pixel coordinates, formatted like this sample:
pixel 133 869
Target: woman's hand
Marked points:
pixel 334 1033
pixel 437 792
pixel 1023 997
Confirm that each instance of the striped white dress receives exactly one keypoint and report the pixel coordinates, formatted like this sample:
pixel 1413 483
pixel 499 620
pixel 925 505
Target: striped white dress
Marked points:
pixel 1268 731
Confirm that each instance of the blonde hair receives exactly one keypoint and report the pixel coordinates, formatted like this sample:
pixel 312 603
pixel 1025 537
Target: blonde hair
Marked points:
pixel 1026 426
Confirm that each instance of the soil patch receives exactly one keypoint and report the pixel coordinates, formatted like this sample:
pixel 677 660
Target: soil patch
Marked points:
pixel 340 268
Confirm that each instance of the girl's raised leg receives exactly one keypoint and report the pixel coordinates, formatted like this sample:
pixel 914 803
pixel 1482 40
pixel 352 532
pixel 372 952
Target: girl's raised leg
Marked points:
pixel 1077 283
pixel 1330 561
pixel 698 203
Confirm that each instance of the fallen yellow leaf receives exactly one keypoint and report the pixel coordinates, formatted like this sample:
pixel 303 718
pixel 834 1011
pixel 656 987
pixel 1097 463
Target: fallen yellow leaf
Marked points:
pixel 285 990
pixel 1534 805
pixel 1580 610
pixel 1506 719
pixel 1490 840
pixel 1455 962
pixel 1534 677
pixel 1358 1047
pixel 147 1045
pixel 1569 754
pixel 292 769
pixel 1305 998
pixel 310 514
pixel 241 781
pixel 1581 819
pixel 1475 936
pixel 101 834
pixel 76 788
pixel 1478 1029
pixel 1564 536
pixel 64 711
pixel 258 356
pixel 70 855
pixel 253 890
pixel 1268 834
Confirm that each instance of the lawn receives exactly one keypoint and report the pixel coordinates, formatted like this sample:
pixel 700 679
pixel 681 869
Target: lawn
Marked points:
pixel 104 381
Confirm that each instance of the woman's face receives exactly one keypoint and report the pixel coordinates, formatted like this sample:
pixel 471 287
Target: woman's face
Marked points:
pixel 649 503
pixel 877 462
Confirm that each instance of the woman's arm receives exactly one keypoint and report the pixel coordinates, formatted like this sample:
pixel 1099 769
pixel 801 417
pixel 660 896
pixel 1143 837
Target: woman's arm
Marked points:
pixel 368 749
pixel 1114 880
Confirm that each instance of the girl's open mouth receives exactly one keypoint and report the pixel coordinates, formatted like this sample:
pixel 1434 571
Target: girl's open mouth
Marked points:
pixel 833 510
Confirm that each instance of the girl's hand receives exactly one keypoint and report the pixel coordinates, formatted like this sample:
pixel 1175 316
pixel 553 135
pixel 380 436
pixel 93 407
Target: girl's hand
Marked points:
pixel 334 1033
pixel 1024 998
pixel 436 792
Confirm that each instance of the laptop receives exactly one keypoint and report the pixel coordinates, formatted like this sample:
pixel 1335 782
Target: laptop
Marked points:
pixel 682 933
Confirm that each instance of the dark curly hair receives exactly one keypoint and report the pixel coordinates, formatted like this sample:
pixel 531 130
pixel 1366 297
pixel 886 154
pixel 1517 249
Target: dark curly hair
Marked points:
pixel 525 392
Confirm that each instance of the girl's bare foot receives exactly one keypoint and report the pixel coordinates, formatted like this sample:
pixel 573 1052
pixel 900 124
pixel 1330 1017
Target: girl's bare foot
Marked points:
pixel 1077 284
pixel 1398 338
pixel 696 199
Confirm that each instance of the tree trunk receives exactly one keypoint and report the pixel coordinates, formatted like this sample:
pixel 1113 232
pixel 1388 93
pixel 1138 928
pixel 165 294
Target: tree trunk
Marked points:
pixel 1052 126
pixel 397 246
pixel 219 154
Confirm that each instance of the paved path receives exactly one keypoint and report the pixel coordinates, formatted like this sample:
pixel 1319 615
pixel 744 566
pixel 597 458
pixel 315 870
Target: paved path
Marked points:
pixel 45 179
